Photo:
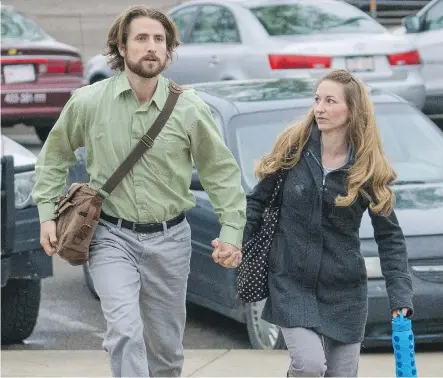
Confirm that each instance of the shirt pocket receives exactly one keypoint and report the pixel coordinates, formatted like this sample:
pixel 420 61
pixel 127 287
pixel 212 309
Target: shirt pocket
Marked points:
pixel 164 158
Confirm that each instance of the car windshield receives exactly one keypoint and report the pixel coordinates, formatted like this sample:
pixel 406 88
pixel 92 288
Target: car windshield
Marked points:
pixel 413 145
pixel 318 18
pixel 16 26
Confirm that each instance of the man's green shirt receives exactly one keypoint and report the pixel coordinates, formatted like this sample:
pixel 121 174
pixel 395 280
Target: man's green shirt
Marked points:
pixel 108 120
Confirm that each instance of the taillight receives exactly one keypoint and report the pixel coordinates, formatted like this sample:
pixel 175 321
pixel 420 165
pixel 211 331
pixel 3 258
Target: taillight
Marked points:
pixel 405 58
pixel 75 67
pixel 52 67
pixel 285 62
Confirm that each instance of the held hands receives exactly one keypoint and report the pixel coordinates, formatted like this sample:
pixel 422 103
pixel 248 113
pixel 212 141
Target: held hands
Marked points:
pixel 396 313
pixel 48 237
pixel 225 254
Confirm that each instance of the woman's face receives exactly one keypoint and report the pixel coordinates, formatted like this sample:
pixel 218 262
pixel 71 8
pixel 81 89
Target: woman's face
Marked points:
pixel 330 109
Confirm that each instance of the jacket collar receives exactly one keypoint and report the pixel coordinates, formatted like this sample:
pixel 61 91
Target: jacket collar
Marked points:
pixel 315 147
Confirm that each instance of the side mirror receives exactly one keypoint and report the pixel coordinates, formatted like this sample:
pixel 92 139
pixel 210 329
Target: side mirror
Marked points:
pixel 412 24
pixel 195 181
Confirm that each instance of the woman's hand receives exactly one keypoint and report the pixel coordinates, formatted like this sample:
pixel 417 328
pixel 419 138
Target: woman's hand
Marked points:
pixel 396 313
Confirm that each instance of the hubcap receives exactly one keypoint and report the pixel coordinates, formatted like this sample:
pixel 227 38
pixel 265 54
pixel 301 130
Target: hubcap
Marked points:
pixel 267 333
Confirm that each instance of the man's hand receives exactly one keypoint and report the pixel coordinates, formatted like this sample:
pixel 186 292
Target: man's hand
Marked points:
pixel 225 254
pixel 48 237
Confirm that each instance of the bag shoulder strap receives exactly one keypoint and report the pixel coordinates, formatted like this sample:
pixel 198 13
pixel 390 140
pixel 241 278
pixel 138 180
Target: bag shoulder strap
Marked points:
pixel 145 142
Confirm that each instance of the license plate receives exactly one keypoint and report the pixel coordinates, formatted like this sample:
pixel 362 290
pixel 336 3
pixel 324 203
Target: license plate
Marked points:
pixel 360 64
pixel 18 73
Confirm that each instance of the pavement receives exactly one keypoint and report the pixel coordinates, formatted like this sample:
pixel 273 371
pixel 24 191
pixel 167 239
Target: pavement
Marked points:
pixel 198 363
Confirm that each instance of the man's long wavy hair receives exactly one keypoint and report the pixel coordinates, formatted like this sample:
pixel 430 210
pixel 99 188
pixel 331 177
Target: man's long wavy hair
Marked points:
pixel 371 175
pixel 118 34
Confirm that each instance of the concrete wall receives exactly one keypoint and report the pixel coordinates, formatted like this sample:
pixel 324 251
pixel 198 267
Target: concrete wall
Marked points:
pixel 80 23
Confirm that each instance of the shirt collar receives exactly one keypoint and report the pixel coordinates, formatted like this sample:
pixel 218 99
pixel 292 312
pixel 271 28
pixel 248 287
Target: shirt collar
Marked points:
pixel 160 94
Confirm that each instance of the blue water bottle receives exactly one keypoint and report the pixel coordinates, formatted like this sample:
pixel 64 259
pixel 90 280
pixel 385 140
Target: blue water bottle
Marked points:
pixel 403 344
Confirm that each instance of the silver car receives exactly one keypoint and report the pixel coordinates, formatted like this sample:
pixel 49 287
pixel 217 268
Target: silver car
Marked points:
pixel 425 31
pixel 239 39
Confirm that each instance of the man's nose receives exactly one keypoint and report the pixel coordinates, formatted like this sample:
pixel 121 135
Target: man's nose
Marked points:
pixel 150 46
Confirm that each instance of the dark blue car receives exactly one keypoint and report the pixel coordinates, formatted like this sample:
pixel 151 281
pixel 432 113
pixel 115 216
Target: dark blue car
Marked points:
pixel 250 115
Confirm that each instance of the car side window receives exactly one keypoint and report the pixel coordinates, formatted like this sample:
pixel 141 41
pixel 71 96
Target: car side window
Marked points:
pixel 216 24
pixel 184 19
pixel 434 17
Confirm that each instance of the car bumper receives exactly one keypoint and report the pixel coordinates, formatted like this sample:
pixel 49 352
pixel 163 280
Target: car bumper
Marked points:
pixel 427 320
pixel 412 89
pixel 35 106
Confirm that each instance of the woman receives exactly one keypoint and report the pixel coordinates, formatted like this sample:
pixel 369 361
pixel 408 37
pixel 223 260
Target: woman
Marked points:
pixel 336 170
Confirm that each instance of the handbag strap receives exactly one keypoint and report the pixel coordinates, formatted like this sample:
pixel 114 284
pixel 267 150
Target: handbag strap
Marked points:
pixel 145 142
pixel 277 195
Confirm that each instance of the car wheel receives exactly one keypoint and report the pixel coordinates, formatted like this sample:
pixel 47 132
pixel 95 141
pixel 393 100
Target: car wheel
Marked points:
pixel 20 306
pixel 97 78
pixel 262 335
pixel 42 132
pixel 88 280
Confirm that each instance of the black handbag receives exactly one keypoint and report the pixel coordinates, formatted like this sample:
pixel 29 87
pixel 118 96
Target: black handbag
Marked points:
pixel 252 279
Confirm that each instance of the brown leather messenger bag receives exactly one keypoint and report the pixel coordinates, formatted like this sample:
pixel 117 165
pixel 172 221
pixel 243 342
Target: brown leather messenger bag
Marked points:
pixel 78 212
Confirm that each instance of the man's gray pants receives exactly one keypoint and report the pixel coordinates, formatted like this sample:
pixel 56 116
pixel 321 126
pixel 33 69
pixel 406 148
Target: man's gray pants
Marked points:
pixel 141 281
pixel 314 355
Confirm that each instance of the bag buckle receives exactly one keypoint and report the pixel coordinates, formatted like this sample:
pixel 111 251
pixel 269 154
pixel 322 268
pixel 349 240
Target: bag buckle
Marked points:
pixel 147 141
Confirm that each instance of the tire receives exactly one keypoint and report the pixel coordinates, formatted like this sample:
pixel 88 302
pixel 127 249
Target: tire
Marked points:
pixel 262 335
pixel 97 78
pixel 20 306
pixel 88 280
pixel 42 132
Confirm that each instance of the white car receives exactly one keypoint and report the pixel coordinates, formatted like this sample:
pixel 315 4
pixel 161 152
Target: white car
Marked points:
pixel 23 262
pixel 425 31
pixel 261 39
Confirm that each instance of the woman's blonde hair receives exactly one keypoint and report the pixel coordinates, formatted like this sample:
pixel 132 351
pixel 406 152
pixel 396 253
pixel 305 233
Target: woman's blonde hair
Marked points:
pixel 371 175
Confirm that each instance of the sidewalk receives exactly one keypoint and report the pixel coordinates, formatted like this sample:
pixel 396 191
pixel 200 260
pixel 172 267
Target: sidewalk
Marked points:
pixel 198 363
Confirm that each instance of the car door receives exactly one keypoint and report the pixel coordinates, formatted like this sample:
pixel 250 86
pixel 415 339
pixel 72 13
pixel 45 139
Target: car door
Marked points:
pixel 430 44
pixel 184 19
pixel 209 284
pixel 208 50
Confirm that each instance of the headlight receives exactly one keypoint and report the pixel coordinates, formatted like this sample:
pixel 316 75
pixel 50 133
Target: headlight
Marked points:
pixel 373 267
pixel 24 182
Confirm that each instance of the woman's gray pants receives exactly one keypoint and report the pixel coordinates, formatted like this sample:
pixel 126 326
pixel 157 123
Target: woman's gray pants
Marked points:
pixel 313 355
pixel 141 280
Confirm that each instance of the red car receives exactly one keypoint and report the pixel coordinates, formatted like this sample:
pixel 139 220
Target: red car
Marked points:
pixel 38 74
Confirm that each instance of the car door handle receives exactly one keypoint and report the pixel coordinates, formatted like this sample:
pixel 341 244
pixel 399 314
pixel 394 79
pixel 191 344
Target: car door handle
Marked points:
pixel 214 60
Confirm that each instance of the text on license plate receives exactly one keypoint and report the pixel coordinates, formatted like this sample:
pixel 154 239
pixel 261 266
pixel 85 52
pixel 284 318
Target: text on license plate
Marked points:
pixel 25 98
pixel 18 73
pixel 359 64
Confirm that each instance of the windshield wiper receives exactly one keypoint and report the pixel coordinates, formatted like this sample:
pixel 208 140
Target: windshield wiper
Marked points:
pixel 348 21
pixel 408 182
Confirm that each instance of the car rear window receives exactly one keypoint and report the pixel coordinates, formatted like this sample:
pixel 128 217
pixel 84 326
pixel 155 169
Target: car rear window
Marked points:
pixel 304 19
pixel 16 26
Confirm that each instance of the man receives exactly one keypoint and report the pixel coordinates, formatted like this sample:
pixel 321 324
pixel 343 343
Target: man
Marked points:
pixel 141 276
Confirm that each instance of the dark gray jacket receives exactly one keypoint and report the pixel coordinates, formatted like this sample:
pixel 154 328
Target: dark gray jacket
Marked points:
pixel 317 275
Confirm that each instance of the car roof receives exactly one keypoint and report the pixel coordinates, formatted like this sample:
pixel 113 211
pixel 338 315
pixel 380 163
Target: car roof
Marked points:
pixel 270 94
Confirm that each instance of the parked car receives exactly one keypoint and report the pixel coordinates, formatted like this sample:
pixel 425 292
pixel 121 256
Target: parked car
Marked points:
pixel 38 73
pixel 236 40
pixel 250 115
pixel 389 12
pixel 24 264
pixel 425 31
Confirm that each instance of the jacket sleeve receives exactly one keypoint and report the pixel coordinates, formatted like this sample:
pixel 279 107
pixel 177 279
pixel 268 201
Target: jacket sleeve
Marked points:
pixel 256 201
pixel 393 260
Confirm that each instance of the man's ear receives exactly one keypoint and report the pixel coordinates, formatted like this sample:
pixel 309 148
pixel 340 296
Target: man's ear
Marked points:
pixel 122 50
